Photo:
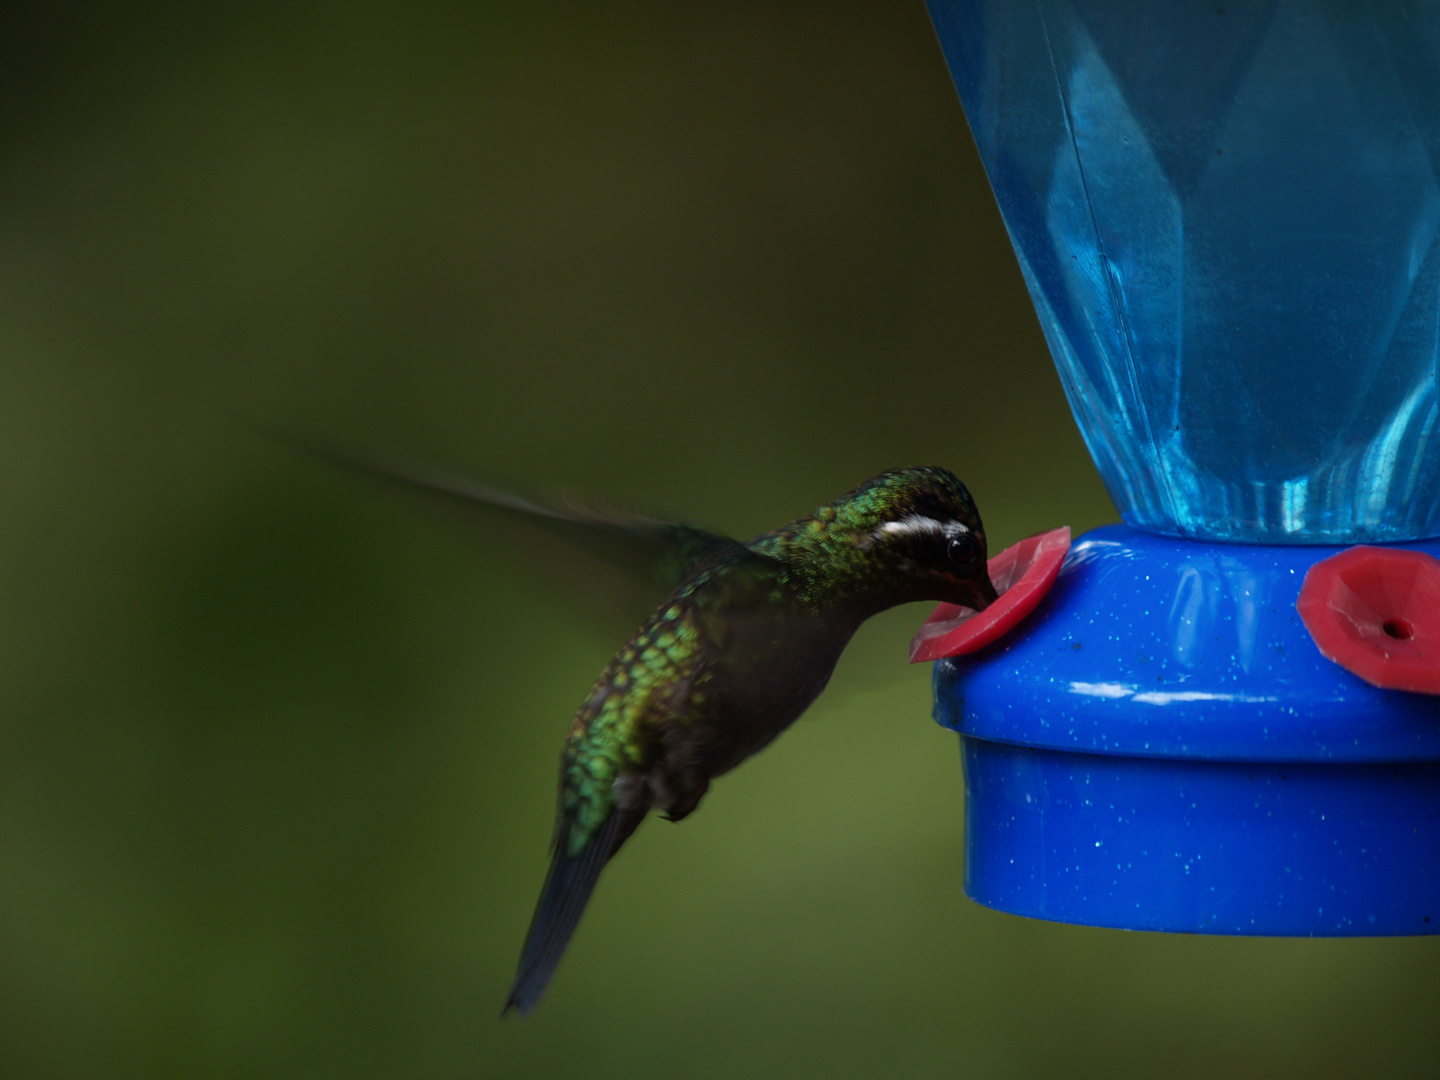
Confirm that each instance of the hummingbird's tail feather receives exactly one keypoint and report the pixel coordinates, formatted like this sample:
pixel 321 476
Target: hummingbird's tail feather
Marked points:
pixel 567 889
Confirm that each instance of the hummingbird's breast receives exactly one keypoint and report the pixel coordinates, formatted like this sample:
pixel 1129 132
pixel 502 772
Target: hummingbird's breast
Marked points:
pixel 763 676
pixel 719 671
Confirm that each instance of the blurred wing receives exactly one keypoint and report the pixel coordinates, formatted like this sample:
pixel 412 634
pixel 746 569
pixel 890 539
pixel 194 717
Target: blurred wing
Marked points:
pixel 610 569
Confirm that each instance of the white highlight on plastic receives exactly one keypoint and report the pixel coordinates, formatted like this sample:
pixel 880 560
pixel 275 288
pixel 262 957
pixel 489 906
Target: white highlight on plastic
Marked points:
pixel 1102 689
pixel 1160 697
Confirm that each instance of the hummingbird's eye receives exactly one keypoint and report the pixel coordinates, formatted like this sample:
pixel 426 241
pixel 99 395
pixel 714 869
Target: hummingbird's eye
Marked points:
pixel 964 549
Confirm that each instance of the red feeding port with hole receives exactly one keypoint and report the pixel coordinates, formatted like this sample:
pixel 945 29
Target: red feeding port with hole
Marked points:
pixel 1376 612
pixel 1022 574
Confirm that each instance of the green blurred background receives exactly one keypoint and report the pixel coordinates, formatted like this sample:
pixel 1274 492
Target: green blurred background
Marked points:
pixel 277 752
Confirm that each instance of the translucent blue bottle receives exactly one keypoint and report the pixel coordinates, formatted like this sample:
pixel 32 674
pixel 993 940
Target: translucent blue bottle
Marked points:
pixel 1228 216
pixel 1227 213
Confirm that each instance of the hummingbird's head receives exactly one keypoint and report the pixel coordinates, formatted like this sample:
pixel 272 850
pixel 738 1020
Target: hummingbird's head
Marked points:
pixel 910 534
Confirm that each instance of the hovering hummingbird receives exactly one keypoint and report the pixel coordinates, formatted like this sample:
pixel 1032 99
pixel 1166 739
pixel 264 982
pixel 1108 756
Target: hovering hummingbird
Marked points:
pixel 746 639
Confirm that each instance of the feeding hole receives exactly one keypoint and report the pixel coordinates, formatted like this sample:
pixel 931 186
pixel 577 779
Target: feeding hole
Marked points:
pixel 1399 629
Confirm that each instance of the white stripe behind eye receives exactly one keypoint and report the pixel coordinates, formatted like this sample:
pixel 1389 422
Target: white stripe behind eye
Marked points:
pixel 915 523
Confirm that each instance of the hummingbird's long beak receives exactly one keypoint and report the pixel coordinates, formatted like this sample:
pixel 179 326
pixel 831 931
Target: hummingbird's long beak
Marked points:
pixel 985 592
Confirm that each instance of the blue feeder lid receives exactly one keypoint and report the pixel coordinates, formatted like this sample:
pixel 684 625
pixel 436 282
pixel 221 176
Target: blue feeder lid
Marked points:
pixel 1162 746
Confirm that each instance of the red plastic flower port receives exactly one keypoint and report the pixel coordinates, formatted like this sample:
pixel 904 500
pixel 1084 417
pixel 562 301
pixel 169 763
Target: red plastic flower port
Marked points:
pixel 1376 613
pixel 1022 575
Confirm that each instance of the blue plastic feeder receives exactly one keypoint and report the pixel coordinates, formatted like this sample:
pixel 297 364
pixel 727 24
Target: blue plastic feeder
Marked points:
pixel 1228 217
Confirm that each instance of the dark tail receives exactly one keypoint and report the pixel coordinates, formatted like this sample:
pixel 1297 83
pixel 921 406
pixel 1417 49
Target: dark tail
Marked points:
pixel 562 901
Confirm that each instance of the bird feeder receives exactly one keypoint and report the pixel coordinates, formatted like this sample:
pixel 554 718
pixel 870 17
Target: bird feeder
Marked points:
pixel 1222 718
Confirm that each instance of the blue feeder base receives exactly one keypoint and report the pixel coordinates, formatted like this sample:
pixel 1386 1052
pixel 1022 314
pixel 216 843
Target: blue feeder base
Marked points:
pixel 1162 747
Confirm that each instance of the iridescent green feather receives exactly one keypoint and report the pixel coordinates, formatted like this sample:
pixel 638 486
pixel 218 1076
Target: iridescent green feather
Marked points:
pixel 609 733
pixel 828 550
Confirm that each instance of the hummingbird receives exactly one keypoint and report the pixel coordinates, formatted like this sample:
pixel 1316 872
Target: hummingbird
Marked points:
pixel 740 648
pixel 746 639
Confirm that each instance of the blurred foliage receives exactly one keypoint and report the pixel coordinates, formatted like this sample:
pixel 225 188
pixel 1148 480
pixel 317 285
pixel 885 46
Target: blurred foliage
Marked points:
pixel 277 753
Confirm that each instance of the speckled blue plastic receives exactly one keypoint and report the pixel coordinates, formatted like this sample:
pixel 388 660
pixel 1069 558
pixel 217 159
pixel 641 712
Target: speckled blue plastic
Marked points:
pixel 1161 746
